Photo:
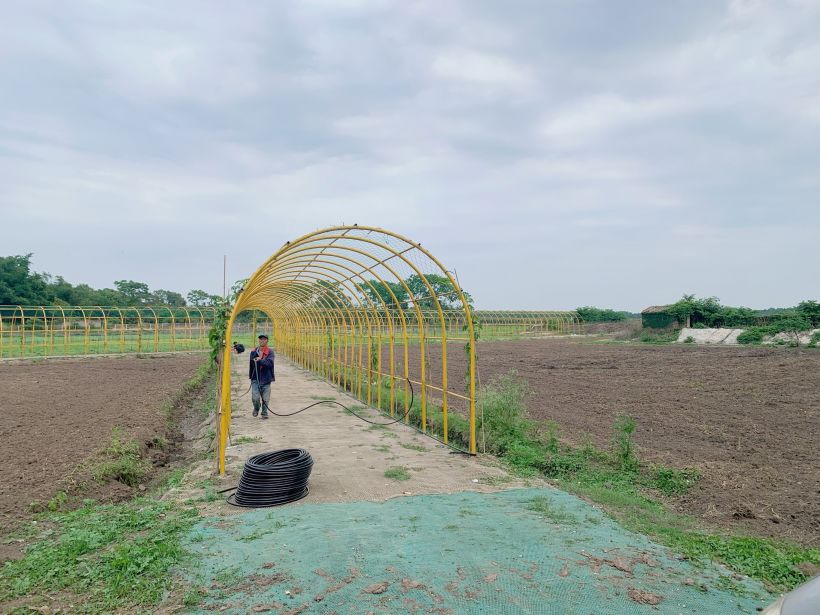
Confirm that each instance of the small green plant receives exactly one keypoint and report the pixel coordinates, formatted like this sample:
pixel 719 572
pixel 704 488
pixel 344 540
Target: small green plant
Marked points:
pixel 255 535
pixel 382 448
pixel 397 473
pixel 556 514
pixel 57 502
pixel 552 437
pixel 689 340
pixel 414 522
pixel 671 481
pixel 246 439
pixel 159 442
pixel 122 461
pixel 624 449
pixel 173 479
pixel 412 446
pixel 495 480
pixel 193 596
pixel 502 406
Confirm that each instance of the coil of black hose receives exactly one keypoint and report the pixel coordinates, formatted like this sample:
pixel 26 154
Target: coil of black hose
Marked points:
pixel 271 479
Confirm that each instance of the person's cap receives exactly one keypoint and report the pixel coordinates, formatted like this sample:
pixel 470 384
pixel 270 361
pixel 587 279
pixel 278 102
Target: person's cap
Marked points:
pixel 263 336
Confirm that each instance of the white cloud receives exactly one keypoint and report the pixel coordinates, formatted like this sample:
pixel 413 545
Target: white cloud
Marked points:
pixel 482 69
pixel 589 119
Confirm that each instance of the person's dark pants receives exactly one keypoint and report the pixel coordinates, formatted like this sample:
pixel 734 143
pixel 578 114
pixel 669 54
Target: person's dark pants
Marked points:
pixel 258 399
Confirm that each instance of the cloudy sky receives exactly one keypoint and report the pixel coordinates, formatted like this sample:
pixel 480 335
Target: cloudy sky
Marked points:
pixel 555 153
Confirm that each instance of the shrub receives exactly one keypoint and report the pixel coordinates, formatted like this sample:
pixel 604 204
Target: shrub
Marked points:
pixel 123 461
pixel 752 335
pixel 592 314
pixel 755 335
pixel 673 482
pixel 624 449
pixel 810 310
pixel 501 412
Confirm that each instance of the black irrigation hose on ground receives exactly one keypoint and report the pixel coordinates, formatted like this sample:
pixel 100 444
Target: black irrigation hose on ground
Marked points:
pixel 272 479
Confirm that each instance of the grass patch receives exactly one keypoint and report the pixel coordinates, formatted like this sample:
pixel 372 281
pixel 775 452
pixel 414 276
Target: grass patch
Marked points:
pixel 556 514
pixel 413 447
pixel 663 336
pixel 397 473
pixel 172 480
pixel 122 461
pixel 109 556
pixel 382 448
pixel 210 493
pixel 493 480
pixel 246 439
pixel 671 481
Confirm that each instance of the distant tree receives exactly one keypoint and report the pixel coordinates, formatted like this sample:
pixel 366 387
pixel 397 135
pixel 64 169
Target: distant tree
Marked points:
pixel 167 297
pixel 200 298
pixel 734 317
pixel 441 287
pixel 707 310
pixel 134 293
pixel 380 294
pixel 18 284
pixel 60 291
pixel 328 295
pixel 810 310
pixel 588 313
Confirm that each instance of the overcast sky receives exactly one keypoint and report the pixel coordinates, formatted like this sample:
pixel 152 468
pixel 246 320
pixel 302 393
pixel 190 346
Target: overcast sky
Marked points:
pixel 554 153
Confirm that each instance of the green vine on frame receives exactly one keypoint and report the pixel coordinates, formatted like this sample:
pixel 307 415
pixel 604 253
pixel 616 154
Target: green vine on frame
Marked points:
pixel 218 332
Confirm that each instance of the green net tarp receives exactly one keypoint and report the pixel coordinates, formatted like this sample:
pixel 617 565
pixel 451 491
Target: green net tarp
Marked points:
pixel 511 552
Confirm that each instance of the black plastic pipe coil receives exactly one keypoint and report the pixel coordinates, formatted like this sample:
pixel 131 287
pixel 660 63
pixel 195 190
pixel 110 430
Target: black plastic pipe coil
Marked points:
pixel 271 479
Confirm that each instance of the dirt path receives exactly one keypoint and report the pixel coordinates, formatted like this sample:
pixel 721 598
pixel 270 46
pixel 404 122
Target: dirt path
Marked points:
pixel 350 455
pixel 57 413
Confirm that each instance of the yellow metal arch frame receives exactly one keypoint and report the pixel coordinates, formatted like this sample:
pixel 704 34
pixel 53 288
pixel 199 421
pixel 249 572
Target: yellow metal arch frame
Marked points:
pixel 59 330
pixel 331 297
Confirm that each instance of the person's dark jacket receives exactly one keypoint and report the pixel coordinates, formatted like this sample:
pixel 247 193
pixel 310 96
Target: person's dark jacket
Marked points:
pixel 264 366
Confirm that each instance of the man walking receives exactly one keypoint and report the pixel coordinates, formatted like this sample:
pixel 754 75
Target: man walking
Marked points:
pixel 261 375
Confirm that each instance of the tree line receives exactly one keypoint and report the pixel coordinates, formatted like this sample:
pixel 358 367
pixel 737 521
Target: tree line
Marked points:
pixel 709 312
pixel 19 285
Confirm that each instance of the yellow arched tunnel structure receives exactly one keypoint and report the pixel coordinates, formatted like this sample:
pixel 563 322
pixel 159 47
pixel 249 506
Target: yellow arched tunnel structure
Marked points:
pixel 371 311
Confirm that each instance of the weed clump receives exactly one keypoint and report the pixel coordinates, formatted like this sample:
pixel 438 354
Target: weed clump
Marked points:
pixel 123 461
pixel 397 473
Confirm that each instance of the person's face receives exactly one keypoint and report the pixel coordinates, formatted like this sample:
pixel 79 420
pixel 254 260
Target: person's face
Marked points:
pixel 263 342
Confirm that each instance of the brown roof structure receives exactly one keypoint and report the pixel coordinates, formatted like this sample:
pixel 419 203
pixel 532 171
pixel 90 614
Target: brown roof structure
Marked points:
pixel 656 309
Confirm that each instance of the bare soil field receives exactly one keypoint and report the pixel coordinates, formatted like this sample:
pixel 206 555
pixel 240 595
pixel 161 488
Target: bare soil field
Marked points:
pixel 747 418
pixel 59 413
